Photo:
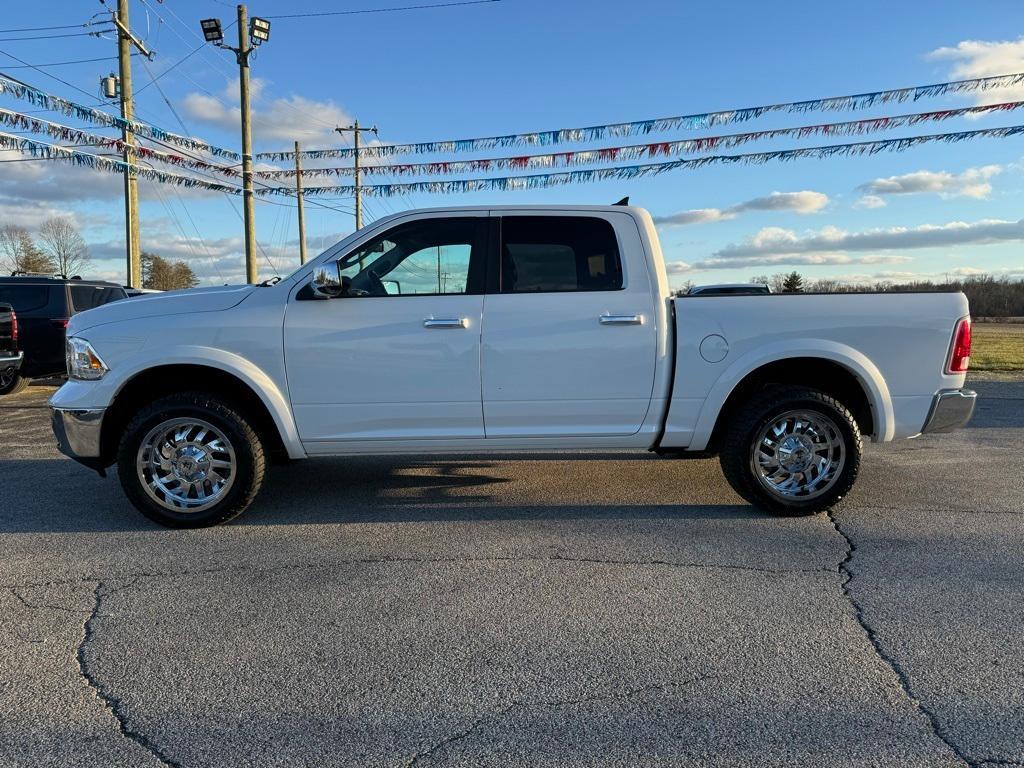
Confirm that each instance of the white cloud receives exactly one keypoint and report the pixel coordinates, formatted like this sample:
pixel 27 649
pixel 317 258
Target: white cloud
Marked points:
pixel 803 202
pixel 985 58
pixel 274 120
pixel 974 182
pixel 870 201
pixel 678 267
pixel 830 245
pixel 694 216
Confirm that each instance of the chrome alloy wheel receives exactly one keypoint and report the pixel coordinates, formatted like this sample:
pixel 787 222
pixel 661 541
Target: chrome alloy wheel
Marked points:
pixel 798 455
pixel 186 464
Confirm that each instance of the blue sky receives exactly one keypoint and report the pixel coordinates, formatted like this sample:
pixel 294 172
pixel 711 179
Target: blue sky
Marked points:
pixel 521 65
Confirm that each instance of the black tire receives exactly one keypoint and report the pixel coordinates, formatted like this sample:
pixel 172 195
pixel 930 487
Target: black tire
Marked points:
pixel 744 430
pixel 12 383
pixel 249 461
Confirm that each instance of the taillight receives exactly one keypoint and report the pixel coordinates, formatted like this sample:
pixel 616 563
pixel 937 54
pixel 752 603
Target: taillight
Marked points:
pixel 61 321
pixel 14 329
pixel 960 351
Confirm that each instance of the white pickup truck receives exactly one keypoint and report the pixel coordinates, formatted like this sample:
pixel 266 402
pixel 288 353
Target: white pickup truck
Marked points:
pixel 492 329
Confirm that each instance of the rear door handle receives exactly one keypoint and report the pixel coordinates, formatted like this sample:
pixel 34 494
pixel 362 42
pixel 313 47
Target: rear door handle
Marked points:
pixel 444 322
pixel 621 319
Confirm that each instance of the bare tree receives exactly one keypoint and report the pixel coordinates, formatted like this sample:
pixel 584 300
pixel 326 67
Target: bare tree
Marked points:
pixel 18 253
pixel 63 243
pixel 164 275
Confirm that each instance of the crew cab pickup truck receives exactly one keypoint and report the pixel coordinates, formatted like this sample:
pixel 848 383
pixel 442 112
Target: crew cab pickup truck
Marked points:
pixel 478 330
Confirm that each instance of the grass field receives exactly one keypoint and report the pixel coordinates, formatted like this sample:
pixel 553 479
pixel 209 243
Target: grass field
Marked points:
pixel 997 347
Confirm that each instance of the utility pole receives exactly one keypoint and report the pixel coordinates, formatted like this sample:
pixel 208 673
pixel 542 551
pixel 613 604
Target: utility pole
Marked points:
pixel 249 37
pixel 242 54
pixel 358 177
pixel 125 41
pixel 298 197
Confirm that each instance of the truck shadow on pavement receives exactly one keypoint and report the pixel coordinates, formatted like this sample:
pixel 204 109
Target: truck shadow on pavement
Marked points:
pixel 58 496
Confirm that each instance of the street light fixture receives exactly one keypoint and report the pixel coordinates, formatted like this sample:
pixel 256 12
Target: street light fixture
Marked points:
pixel 259 30
pixel 212 31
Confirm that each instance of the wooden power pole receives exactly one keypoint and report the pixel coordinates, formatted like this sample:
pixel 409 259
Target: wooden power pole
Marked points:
pixel 125 41
pixel 358 177
pixel 242 54
pixel 298 197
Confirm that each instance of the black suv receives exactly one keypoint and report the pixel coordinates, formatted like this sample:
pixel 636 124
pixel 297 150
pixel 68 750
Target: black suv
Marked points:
pixel 43 306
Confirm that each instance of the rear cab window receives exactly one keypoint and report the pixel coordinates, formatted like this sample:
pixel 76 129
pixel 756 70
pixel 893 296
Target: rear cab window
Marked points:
pixel 548 254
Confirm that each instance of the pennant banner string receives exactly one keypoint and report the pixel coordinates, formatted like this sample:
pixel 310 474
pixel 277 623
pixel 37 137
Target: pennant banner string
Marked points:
pixel 42 150
pixel 66 133
pixel 45 100
pixel 643 151
pixel 541 180
pixel 698 121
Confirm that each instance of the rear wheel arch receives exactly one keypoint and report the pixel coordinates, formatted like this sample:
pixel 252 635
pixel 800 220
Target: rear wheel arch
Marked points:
pixel 822 374
pixel 154 383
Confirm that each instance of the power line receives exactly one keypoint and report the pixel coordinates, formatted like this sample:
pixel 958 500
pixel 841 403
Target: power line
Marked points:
pixel 63 63
pixel 52 77
pixel 43 29
pixel 97 33
pixel 382 10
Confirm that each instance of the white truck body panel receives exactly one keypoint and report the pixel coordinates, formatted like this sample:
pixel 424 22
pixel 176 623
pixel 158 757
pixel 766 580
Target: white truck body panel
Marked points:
pixel 527 370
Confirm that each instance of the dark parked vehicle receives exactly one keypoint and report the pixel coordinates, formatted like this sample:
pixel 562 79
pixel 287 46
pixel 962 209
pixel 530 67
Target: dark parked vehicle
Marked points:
pixel 10 357
pixel 43 306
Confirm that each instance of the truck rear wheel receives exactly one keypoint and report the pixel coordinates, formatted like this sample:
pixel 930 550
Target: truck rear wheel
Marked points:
pixel 792 451
pixel 11 382
pixel 190 461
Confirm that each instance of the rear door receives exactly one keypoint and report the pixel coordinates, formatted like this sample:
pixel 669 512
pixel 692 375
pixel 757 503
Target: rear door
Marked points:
pixel 569 334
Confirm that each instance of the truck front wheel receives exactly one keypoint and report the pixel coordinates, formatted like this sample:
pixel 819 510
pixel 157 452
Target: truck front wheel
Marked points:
pixel 190 461
pixel 791 451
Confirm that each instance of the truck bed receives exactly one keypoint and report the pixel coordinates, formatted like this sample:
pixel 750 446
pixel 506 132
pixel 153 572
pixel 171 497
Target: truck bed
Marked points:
pixel 895 344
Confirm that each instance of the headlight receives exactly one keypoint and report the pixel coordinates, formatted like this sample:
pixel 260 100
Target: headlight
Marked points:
pixel 83 362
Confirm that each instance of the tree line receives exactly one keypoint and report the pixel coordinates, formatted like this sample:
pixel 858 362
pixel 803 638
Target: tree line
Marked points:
pixel 988 295
pixel 59 249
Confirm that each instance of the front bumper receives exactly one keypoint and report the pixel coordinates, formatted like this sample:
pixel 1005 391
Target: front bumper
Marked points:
pixel 951 409
pixel 78 434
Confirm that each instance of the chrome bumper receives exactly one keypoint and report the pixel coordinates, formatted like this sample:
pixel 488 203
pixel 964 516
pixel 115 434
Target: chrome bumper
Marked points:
pixel 11 360
pixel 951 409
pixel 78 432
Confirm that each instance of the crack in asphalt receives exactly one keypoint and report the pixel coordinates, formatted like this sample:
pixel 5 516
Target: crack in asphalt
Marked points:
pixel 102 692
pixel 37 606
pixel 480 722
pixel 843 568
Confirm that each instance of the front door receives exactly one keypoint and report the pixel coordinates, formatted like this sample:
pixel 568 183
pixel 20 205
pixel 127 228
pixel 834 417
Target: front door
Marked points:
pixel 569 338
pixel 398 357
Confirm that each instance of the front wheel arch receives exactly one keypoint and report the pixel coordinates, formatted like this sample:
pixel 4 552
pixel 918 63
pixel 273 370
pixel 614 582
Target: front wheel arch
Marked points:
pixel 154 383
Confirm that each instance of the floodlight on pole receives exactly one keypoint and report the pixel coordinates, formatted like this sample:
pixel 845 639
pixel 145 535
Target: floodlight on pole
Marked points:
pixel 259 30
pixel 212 31
pixel 251 33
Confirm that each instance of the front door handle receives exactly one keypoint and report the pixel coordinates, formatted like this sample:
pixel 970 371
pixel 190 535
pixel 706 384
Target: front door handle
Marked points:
pixel 622 319
pixel 444 322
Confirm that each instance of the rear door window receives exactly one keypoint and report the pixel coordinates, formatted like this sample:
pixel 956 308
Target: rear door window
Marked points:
pixel 25 298
pixel 542 254
pixel 85 297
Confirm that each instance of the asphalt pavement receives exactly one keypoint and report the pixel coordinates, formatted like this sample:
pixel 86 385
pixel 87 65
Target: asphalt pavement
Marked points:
pixel 584 610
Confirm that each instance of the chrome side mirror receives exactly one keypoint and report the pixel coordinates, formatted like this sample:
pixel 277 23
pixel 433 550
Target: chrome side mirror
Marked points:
pixel 329 283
